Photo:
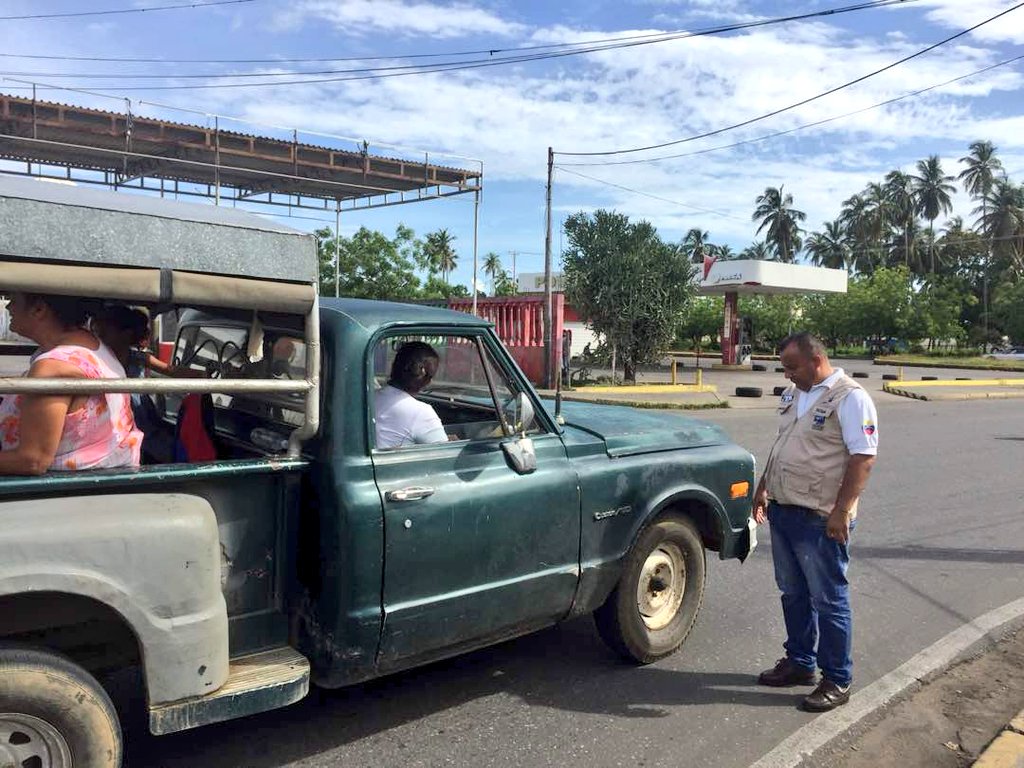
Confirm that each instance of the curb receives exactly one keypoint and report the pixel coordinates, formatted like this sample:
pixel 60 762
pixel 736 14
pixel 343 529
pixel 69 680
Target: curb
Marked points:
pixel 988 395
pixel 1006 749
pixel 800 747
pixel 652 405
pixel 951 364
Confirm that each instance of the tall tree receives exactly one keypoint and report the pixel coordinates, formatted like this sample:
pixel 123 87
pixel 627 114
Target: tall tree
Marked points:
pixel 1002 223
pixel 830 247
pixel 856 219
pixel 932 190
pixel 977 178
pixel 695 245
pixel 492 267
pixel 775 211
pixel 757 250
pixel 439 252
pixel 899 192
pixel 626 283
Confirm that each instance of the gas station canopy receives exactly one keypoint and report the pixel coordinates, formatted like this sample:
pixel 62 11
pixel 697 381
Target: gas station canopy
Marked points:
pixel 750 276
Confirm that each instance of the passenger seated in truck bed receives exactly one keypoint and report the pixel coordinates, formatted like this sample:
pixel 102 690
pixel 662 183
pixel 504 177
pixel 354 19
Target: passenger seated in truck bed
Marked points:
pixel 40 433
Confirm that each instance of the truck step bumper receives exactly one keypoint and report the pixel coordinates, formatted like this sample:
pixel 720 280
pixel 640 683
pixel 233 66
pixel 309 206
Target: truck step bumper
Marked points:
pixel 256 683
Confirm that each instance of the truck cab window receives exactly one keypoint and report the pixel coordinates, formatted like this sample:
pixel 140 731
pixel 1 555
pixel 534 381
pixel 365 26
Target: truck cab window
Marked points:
pixel 471 393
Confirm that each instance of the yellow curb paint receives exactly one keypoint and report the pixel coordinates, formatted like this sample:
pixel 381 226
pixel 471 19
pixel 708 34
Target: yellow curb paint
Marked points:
pixel 1017 724
pixel 653 389
pixel 1007 751
pixel 970 383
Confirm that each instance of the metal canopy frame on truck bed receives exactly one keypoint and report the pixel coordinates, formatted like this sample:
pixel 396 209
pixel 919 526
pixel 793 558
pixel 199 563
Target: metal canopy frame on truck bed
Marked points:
pixel 102 245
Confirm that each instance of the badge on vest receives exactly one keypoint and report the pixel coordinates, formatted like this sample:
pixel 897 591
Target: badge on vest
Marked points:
pixel 820 414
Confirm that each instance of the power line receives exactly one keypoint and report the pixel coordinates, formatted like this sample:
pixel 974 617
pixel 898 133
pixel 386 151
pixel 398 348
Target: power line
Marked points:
pixel 117 11
pixel 801 103
pixel 653 197
pixel 805 126
pixel 477 52
pixel 373 73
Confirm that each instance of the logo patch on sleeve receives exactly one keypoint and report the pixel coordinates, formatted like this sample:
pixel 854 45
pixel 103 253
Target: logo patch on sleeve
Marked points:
pixel 869 428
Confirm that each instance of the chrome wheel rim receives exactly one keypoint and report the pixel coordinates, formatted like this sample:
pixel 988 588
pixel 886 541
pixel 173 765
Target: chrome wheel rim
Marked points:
pixel 659 592
pixel 26 740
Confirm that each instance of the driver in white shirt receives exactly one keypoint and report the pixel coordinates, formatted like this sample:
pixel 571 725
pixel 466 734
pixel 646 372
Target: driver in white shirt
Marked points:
pixel 401 419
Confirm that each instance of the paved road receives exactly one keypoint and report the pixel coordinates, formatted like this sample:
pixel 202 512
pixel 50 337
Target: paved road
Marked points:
pixel 941 540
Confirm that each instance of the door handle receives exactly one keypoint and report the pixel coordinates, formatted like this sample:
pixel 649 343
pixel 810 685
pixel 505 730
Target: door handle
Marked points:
pixel 413 493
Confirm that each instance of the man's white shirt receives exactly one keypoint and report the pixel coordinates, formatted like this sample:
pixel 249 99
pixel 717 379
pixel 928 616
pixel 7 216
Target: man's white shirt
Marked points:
pixel 402 420
pixel 857 415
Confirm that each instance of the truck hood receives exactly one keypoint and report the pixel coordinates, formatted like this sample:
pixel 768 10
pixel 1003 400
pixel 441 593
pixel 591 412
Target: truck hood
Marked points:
pixel 629 431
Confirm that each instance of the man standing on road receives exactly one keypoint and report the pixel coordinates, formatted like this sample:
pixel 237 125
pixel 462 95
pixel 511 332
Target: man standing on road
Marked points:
pixel 815 473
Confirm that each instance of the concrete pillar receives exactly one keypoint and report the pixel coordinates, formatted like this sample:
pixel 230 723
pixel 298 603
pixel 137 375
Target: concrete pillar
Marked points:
pixel 730 328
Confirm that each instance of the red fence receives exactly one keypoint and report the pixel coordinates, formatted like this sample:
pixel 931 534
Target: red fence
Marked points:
pixel 519 321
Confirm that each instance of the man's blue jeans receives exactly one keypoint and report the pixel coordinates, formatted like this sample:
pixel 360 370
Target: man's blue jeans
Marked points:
pixel 810 569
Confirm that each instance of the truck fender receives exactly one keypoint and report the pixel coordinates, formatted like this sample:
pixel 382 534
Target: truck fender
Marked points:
pixel 154 559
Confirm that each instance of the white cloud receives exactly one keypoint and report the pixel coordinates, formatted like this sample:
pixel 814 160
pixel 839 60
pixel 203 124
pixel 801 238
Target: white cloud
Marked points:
pixel 404 17
pixel 962 14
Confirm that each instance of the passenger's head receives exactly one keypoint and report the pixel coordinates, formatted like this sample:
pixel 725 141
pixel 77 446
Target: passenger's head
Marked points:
pixel 804 360
pixel 415 365
pixel 121 328
pixel 41 317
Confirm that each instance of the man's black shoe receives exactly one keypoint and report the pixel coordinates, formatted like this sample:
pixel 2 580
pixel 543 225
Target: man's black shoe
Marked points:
pixel 785 673
pixel 826 696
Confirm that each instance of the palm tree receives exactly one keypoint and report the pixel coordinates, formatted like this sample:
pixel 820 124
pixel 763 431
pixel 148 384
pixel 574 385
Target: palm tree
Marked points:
pixel 492 267
pixel 899 191
pixel 723 252
pixel 776 212
pixel 856 220
pixel 758 250
pixel 438 248
pixel 830 247
pixel 695 245
pixel 932 189
pixel 978 178
pixel 1002 221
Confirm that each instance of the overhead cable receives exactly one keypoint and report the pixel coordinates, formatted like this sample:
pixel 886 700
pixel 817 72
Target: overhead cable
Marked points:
pixel 117 11
pixel 373 73
pixel 653 197
pixel 788 131
pixel 800 103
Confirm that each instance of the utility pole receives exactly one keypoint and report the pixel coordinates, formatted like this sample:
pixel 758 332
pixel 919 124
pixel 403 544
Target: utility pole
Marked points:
pixel 548 345
pixel 513 254
pixel 476 228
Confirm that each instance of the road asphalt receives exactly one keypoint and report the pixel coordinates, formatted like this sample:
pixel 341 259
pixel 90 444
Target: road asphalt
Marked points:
pixel 940 542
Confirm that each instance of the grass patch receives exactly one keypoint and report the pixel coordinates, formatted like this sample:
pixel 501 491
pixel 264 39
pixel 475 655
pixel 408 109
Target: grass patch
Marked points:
pixel 966 363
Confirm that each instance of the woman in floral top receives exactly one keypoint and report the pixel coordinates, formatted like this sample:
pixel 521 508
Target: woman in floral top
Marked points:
pixel 41 433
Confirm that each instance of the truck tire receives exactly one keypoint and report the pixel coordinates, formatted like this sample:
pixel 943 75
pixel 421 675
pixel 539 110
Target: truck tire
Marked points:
pixel 53 714
pixel 749 392
pixel 655 604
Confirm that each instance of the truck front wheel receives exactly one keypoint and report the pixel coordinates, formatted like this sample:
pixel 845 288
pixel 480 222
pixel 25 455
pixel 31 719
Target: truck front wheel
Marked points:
pixel 654 606
pixel 53 714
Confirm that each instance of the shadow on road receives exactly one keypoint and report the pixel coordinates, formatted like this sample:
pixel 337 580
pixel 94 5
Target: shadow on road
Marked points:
pixel 564 668
pixel 942 554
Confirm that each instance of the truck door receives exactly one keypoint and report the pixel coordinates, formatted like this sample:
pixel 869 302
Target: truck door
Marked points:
pixel 474 549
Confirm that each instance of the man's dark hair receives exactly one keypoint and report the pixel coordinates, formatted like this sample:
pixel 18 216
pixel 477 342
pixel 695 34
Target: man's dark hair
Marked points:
pixel 70 311
pixel 409 370
pixel 125 318
pixel 808 344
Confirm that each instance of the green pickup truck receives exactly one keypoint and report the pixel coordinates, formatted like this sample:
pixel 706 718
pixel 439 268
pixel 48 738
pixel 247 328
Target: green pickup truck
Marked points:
pixel 302 552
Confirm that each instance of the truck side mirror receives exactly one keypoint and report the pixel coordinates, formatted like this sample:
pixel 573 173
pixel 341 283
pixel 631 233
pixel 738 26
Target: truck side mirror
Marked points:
pixel 525 412
pixel 520 454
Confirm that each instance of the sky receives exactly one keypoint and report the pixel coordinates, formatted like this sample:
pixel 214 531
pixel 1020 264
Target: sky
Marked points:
pixel 506 116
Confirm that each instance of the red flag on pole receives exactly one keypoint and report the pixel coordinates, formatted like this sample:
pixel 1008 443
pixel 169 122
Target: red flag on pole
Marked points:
pixel 708 261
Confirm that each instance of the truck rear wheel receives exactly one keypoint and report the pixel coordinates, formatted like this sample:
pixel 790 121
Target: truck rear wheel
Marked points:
pixel 655 604
pixel 53 714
